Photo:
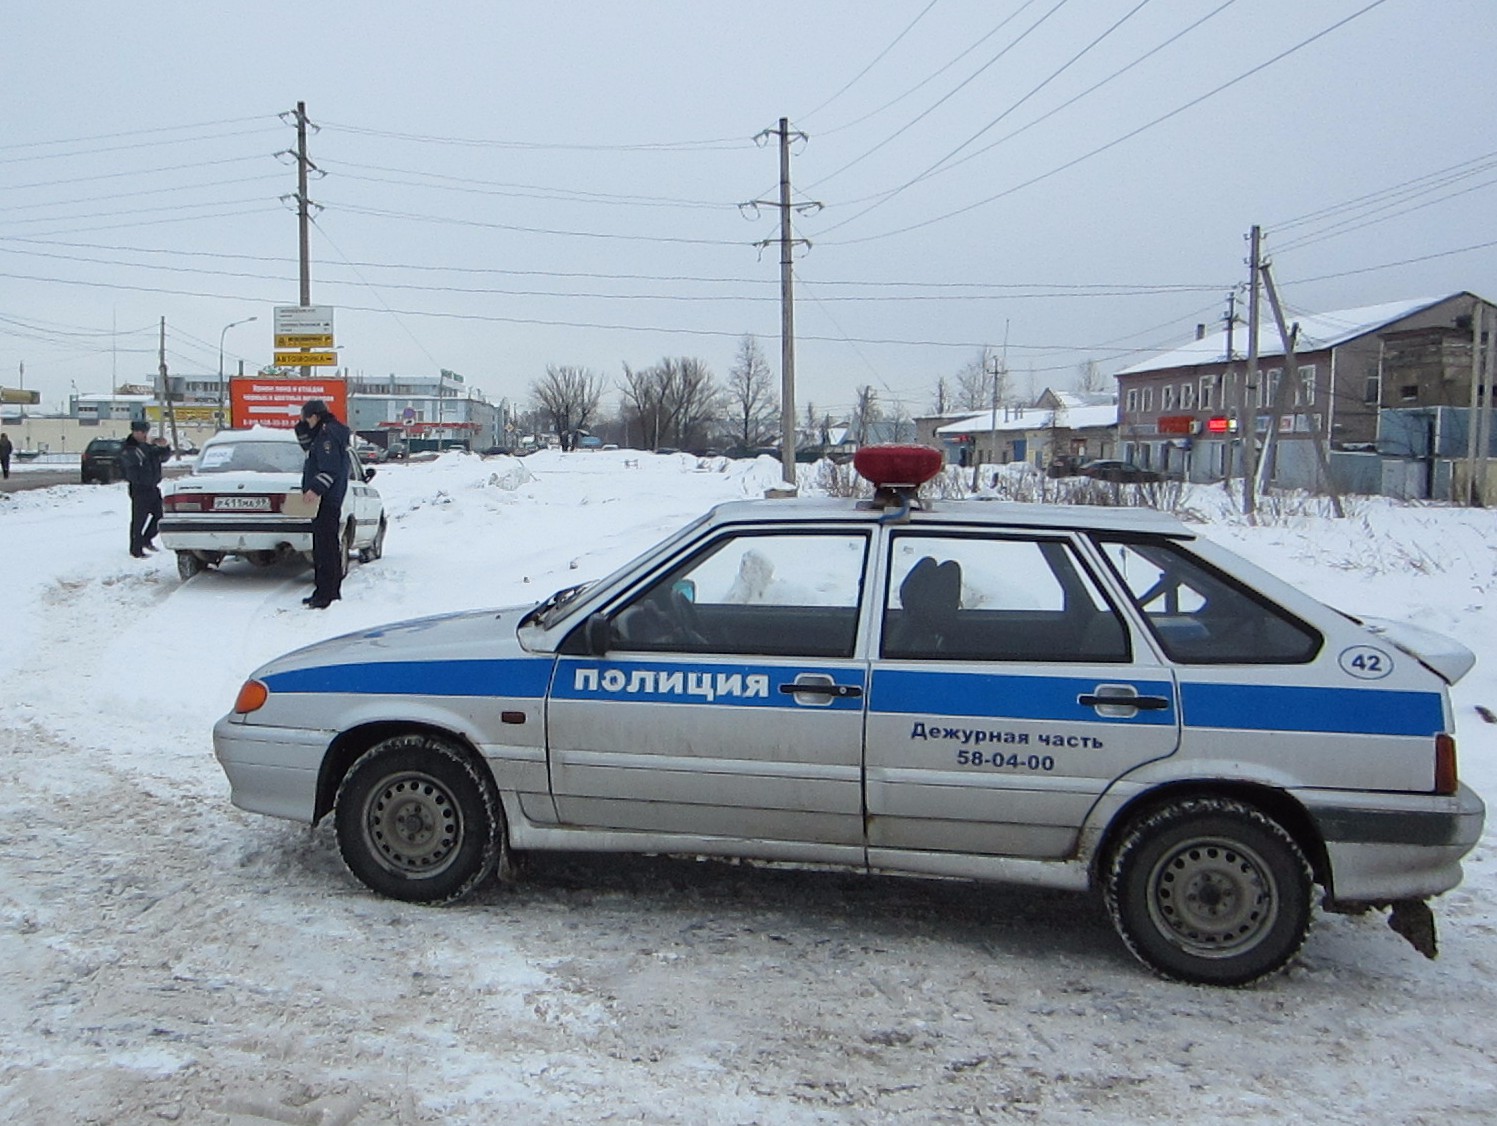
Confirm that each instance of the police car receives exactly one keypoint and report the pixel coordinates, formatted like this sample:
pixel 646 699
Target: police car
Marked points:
pixel 1071 697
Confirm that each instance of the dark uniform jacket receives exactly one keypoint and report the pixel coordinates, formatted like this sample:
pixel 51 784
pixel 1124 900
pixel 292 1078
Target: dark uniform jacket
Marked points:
pixel 140 462
pixel 326 469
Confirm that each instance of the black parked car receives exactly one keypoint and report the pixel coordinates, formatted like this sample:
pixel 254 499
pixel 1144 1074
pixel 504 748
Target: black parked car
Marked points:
pixel 1124 471
pixel 101 460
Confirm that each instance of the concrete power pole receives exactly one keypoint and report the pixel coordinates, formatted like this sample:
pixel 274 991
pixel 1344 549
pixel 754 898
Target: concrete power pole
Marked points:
pixel 787 299
pixel 304 206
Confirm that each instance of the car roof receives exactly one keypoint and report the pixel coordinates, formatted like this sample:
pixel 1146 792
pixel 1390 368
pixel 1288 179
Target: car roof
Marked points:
pixel 976 513
pixel 253 434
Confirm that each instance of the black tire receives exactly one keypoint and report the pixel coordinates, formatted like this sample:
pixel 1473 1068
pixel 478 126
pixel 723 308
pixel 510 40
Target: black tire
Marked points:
pixel 188 565
pixel 376 548
pixel 1211 891
pixel 419 821
pixel 346 555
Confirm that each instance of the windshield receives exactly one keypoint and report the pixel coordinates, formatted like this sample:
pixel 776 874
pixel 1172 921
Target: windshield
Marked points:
pixel 257 457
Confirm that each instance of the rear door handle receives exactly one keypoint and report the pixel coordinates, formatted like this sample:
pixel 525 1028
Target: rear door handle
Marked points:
pixel 1124 700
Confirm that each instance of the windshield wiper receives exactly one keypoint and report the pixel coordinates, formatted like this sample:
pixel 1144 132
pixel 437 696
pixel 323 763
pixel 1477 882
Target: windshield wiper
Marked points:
pixel 560 598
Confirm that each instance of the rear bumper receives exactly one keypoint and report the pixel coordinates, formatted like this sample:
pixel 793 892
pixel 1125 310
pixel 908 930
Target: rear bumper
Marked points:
pixel 1385 847
pixel 235 535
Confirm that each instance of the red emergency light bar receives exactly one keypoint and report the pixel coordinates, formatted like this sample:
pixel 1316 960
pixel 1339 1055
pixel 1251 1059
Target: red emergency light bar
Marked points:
pixel 897 467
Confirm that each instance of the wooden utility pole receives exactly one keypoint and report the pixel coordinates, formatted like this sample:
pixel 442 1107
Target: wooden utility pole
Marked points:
pixel 1249 413
pixel 1289 380
pixel 787 298
pixel 1473 418
pixel 166 389
pixel 1483 419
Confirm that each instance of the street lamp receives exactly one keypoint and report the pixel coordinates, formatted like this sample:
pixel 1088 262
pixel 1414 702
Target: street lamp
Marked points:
pixel 221 336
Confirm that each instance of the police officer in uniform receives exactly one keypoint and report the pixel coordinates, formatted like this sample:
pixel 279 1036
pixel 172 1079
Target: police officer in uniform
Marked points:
pixel 140 462
pixel 324 480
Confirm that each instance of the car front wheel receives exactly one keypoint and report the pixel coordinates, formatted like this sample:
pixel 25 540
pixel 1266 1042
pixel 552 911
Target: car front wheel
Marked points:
pixel 1210 890
pixel 419 821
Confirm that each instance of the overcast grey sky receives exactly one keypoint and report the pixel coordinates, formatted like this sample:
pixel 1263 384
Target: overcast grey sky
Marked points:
pixel 511 185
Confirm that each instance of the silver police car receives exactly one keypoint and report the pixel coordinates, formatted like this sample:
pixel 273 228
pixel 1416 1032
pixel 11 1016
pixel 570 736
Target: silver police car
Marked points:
pixel 1071 697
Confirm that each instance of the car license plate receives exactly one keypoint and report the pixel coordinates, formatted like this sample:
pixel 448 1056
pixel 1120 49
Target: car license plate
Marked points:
pixel 241 504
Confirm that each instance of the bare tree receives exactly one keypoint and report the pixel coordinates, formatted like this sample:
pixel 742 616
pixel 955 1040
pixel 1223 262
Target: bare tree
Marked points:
pixel 568 397
pixel 866 415
pixel 1089 377
pixel 749 395
pixel 672 403
pixel 943 400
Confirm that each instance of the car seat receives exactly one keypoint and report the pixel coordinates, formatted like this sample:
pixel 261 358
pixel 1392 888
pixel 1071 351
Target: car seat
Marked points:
pixel 929 598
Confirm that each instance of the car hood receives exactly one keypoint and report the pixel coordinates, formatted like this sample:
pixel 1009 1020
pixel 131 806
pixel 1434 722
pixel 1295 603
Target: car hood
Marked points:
pixel 447 639
pixel 1445 656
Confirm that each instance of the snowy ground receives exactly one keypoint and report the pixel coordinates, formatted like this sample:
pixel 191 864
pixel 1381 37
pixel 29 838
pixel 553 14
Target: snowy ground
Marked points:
pixel 164 957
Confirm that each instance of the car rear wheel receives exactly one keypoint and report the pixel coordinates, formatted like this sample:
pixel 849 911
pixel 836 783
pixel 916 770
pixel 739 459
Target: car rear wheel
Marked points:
pixel 188 565
pixel 345 556
pixel 377 547
pixel 419 821
pixel 1210 890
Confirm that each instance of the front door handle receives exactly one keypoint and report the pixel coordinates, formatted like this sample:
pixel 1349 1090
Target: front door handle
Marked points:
pixel 819 687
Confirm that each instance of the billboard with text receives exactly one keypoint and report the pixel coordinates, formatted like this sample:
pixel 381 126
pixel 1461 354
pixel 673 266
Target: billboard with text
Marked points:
pixel 267 401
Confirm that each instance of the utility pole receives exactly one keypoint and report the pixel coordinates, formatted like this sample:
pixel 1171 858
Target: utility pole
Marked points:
pixel 1290 379
pixel 787 299
pixel 304 206
pixel 997 371
pixel 1232 410
pixel 1473 417
pixel 1483 421
pixel 166 389
pixel 1249 413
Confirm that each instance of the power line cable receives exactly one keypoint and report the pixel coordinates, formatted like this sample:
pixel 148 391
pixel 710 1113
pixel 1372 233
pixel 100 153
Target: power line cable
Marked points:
pixel 927 80
pixel 942 100
pixel 1124 137
pixel 1051 77
pixel 876 59
pixel 476 142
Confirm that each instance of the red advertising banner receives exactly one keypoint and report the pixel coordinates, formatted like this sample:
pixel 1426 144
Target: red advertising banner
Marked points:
pixel 264 401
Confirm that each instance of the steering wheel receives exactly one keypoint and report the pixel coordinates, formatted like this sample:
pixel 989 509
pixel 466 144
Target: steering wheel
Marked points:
pixel 687 620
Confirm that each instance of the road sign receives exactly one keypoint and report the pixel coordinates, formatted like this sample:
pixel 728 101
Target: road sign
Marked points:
pixel 308 359
pixel 296 320
pixel 305 340
pixel 264 401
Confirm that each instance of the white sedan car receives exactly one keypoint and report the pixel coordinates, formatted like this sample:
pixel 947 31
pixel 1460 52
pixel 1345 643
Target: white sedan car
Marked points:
pixel 244 498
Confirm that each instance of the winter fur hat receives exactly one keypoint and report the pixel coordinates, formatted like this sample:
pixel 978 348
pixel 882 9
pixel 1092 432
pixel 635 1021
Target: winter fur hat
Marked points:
pixel 313 406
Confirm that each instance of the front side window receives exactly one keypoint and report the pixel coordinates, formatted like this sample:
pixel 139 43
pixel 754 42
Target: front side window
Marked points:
pixel 995 599
pixel 1201 616
pixel 791 594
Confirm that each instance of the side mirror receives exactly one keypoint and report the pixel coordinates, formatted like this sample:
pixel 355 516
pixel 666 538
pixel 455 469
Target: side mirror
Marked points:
pixel 595 633
pixel 368 476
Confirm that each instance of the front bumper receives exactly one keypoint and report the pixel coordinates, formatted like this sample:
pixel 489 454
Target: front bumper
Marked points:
pixel 271 770
pixel 1388 847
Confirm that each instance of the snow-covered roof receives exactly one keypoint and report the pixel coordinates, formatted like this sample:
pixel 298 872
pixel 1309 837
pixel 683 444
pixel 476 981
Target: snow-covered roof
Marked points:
pixel 1071 400
pixel 1033 418
pixel 1317 331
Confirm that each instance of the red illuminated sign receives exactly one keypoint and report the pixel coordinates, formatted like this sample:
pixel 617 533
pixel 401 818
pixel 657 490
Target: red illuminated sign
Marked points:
pixel 1219 425
pixel 1177 424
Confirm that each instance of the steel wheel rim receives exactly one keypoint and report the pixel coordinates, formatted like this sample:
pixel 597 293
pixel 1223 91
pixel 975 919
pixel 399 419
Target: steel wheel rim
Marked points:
pixel 413 824
pixel 1213 898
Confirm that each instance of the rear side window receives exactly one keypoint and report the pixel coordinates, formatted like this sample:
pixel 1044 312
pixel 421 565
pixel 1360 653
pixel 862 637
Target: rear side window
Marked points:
pixel 992 598
pixel 1201 616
